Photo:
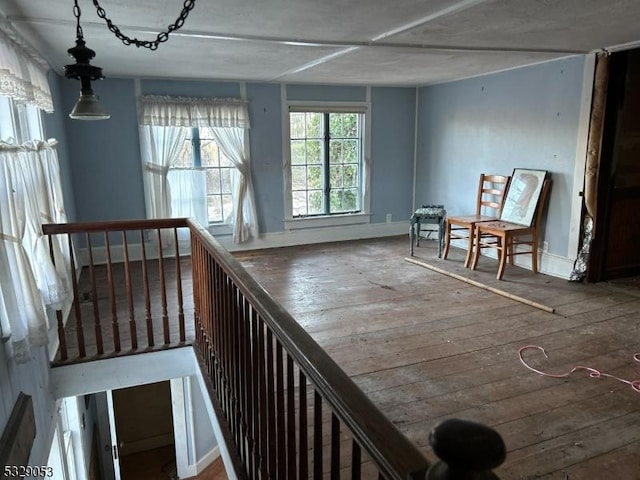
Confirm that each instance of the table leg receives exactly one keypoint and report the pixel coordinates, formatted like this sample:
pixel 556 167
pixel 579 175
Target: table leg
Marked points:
pixel 411 236
pixel 440 236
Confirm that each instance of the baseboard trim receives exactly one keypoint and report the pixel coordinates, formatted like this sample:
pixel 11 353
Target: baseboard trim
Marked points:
pixel 549 263
pixel 207 459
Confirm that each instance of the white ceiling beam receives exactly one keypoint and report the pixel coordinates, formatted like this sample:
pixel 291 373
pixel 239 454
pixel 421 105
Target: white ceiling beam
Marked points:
pixel 455 8
pixel 347 45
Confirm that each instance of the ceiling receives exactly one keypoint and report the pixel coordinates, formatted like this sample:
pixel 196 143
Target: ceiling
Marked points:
pixel 359 42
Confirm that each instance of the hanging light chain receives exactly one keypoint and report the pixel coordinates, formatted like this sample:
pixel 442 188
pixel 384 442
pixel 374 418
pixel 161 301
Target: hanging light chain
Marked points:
pixel 150 44
pixel 76 13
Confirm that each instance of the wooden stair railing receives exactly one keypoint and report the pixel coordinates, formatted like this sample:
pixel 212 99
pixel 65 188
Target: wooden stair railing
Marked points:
pixel 287 411
pixel 291 412
pixel 121 306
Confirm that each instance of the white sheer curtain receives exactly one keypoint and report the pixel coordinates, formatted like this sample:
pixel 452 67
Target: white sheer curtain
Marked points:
pixel 228 118
pixel 231 142
pixel 160 148
pixel 29 281
pixel 23 76
pixel 188 196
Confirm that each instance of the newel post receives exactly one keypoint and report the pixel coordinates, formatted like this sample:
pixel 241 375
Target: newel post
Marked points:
pixel 467 451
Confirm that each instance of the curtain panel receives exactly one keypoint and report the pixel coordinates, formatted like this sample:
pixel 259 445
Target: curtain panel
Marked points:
pixel 228 118
pixel 23 76
pixel 30 282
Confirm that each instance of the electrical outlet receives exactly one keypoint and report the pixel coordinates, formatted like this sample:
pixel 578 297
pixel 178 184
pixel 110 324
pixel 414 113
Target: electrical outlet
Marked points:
pixel 545 246
pixel 388 218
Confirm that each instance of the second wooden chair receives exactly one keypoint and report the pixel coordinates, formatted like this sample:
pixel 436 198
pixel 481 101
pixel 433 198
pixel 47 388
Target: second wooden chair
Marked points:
pixel 491 191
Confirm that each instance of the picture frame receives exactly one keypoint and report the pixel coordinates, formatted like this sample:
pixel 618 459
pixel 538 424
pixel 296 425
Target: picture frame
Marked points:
pixel 523 196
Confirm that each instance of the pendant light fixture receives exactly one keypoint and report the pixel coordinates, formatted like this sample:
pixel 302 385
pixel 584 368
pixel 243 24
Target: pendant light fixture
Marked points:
pixel 88 106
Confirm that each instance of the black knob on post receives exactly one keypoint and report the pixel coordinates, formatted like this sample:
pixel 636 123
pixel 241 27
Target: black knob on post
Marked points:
pixel 467 451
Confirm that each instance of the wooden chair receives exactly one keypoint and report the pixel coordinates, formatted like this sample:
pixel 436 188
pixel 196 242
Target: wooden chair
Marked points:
pixel 491 190
pixel 505 236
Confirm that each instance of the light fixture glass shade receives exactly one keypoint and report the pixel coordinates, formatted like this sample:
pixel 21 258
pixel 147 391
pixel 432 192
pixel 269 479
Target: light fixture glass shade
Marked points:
pixel 89 108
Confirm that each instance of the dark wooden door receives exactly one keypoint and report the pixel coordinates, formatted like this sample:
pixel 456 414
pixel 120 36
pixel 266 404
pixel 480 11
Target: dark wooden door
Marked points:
pixel 616 249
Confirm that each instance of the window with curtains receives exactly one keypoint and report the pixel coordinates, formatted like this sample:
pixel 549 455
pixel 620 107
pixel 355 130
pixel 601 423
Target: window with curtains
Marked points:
pixel 201 160
pixel 196 161
pixel 30 194
pixel 326 173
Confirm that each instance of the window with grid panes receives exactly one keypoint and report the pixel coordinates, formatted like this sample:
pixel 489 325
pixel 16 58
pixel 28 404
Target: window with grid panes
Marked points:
pixel 201 152
pixel 326 163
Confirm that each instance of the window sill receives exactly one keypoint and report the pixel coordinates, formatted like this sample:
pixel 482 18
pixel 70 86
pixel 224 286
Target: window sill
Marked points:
pixel 220 229
pixel 327 221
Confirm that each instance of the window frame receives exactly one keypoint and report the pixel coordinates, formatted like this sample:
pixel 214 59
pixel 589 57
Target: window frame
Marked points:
pixel 335 219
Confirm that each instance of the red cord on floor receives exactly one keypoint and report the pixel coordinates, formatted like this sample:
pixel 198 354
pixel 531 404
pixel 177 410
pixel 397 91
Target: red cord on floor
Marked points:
pixel 593 373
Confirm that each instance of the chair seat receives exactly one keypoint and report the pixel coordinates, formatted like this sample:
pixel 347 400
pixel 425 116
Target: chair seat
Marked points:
pixel 470 219
pixel 499 227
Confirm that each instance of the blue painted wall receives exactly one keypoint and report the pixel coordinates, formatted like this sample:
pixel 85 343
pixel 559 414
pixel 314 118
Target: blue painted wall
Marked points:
pixel 392 152
pixel 105 156
pixel 55 127
pixel 521 118
pixel 265 112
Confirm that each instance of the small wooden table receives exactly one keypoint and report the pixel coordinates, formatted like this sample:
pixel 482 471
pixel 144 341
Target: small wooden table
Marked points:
pixel 434 214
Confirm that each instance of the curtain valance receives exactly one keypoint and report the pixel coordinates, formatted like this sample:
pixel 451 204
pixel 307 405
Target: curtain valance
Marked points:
pixel 23 76
pixel 166 111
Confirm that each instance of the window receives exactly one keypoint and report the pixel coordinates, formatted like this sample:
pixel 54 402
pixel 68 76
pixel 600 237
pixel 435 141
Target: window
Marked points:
pixel 202 172
pixel 19 121
pixel 326 173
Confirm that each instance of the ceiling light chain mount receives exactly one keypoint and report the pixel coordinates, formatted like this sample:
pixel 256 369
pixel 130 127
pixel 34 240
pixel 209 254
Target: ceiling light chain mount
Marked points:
pixel 88 107
pixel 150 44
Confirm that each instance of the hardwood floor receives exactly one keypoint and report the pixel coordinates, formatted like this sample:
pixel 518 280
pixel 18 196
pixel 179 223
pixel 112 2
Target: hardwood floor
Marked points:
pixel 159 464
pixel 426 347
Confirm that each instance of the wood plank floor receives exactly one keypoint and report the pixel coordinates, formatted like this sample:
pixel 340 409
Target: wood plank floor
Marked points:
pixel 426 347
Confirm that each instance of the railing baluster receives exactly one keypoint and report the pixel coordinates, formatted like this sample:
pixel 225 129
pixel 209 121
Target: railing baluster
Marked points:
pixel 280 419
pixel 62 340
pixel 145 288
pixel 76 303
pixel 163 291
pixel 256 363
pixel 181 327
pixel 303 465
pixel 264 447
pixel 112 295
pixel 291 420
pixel 356 460
pixel 133 330
pixel 245 383
pixel 317 436
pixel 212 325
pixel 271 405
pixel 234 337
pixel 94 297
pixel 227 367
pixel 335 447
